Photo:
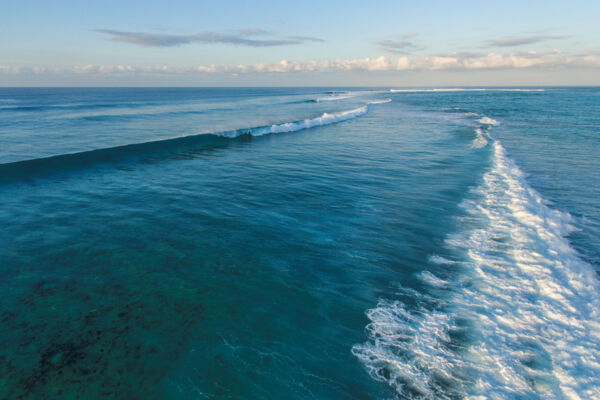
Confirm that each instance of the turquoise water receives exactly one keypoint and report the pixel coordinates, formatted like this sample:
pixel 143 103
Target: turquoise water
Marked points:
pixel 329 243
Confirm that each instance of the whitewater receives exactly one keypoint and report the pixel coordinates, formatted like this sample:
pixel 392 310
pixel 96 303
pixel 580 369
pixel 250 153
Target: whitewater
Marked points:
pixel 531 303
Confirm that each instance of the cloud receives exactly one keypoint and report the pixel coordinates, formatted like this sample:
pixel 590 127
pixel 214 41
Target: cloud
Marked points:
pixel 553 59
pixel 397 46
pixel 440 62
pixel 241 37
pixel 401 46
pixel 306 39
pixel 520 41
pixel 364 64
pixel 8 69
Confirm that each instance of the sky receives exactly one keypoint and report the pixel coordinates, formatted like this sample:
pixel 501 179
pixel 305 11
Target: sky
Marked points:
pixel 299 43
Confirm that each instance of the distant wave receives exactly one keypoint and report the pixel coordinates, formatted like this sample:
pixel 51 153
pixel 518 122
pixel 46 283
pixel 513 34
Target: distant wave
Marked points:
pixel 333 98
pixel 325 119
pixel 527 304
pixel 26 168
pixel 465 90
pixel 379 101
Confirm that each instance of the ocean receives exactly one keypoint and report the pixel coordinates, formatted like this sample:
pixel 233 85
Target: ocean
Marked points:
pixel 299 243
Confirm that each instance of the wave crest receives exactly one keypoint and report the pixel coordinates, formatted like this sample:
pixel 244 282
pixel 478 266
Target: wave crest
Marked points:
pixel 531 305
pixel 26 168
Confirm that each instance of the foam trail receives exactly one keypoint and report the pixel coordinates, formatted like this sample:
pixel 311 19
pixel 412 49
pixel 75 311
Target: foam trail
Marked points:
pixel 529 304
pixel 482 133
pixel 431 279
pixel 435 259
pixel 480 138
pixel 26 168
pixel 488 121
pixel 536 303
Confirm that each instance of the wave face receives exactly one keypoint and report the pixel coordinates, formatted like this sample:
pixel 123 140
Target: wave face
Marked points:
pixel 527 303
pixel 21 169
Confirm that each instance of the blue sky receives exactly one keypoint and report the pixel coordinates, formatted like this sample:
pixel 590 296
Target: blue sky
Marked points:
pixel 396 43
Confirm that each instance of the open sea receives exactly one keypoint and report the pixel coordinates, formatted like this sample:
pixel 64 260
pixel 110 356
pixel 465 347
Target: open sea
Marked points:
pixel 299 243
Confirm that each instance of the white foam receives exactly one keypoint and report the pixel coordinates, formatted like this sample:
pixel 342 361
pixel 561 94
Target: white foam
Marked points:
pixel 435 259
pixel 325 119
pixel 480 139
pixel 431 279
pixel 488 121
pixel 530 286
pixel 379 101
pixel 334 98
pixel 531 304
pixel 408 350
pixel 482 135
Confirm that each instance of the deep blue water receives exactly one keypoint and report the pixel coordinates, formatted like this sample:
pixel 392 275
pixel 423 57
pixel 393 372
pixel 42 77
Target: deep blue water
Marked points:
pixel 326 243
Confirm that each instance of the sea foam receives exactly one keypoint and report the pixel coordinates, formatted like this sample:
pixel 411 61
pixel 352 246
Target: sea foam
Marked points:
pixel 382 101
pixel 488 121
pixel 324 119
pixel 529 305
pixel 334 98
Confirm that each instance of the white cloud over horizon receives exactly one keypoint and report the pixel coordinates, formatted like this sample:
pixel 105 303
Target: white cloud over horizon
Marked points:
pixel 443 62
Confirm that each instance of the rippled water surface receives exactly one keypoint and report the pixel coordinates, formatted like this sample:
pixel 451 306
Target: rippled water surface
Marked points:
pixel 299 243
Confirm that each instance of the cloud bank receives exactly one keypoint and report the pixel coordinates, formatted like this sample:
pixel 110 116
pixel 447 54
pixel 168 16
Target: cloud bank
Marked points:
pixel 242 37
pixel 449 62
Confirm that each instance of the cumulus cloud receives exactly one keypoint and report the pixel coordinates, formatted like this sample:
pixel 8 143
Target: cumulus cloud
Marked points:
pixel 364 64
pixel 520 41
pixel 241 37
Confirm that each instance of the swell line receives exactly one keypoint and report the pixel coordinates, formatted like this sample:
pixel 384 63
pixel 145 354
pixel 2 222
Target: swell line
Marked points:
pixel 44 165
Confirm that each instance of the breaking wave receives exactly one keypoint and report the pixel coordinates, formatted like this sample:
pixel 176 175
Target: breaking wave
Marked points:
pixel 383 101
pixel 26 168
pixel 522 320
pixel 333 98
